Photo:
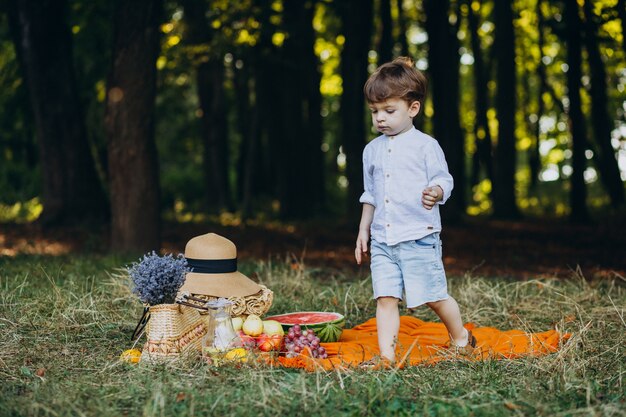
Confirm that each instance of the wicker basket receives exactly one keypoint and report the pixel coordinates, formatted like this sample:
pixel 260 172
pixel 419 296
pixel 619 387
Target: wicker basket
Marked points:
pixel 257 304
pixel 173 330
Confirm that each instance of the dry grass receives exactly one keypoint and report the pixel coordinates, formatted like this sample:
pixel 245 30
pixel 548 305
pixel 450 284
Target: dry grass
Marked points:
pixel 64 322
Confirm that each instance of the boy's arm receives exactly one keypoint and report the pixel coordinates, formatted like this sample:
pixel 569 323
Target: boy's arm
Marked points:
pixel 440 182
pixel 364 232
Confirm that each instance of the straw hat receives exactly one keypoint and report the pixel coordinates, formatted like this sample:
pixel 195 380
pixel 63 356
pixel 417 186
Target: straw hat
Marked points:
pixel 213 260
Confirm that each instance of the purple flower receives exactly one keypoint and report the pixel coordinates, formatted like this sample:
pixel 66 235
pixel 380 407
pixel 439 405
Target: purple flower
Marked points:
pixel 157 278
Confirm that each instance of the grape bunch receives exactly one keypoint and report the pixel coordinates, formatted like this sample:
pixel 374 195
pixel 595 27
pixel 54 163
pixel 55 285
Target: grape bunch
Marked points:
pixel 297 340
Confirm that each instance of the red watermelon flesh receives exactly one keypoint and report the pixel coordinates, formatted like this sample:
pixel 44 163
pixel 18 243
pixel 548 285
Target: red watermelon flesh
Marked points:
pixel 327 325
pixel 304 318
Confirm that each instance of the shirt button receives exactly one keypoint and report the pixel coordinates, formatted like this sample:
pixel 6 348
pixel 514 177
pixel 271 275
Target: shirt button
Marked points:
pixel 388 225
pixel 389 150
pixel 386 200
pixel 387 175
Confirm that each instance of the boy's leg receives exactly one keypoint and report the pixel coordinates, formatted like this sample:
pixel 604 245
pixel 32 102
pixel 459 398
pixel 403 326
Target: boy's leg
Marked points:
pixel 449 313
pixel 388 326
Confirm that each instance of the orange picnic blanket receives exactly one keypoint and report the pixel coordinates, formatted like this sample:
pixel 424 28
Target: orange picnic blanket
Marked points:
pixel 421 342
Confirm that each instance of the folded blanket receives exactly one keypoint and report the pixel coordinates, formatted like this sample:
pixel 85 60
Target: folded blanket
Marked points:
pixel 421 342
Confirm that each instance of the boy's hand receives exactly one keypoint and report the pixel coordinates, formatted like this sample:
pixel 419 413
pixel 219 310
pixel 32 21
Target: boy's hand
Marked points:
pixel 430 196
pixel 361 245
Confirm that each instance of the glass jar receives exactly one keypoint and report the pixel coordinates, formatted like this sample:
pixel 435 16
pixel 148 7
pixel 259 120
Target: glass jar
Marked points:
pixel 221 337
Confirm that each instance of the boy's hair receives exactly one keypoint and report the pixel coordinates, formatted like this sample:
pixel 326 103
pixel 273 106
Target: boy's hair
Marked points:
pixel 396 79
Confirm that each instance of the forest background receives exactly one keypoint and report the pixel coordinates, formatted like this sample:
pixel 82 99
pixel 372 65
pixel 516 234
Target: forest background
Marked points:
pixel 127 115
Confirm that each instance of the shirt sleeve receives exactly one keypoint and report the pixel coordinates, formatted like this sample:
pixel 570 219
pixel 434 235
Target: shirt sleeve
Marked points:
pixel 368 182
pixel 437 170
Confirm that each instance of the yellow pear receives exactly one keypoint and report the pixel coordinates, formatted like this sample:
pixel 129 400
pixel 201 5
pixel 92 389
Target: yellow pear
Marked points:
pixel 253 326
pixel 237 323
pixel 272 328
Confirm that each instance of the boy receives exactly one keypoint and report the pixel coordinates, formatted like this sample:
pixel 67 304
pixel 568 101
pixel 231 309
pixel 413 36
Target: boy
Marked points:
pixel 406 178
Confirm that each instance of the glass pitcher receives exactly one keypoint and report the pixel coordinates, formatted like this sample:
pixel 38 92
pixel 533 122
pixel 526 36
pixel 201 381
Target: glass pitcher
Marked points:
pixel 221 336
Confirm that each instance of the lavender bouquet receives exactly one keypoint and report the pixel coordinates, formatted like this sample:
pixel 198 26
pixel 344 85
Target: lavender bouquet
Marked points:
pixel 157 278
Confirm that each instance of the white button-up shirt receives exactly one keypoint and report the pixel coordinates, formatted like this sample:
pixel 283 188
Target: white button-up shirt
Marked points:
pixel 396 169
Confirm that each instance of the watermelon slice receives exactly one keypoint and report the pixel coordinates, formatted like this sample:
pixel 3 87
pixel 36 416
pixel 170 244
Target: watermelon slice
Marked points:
pixel 327 325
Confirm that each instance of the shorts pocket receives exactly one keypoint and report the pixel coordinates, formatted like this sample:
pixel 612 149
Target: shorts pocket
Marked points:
pixel 422 244
pixel 428 241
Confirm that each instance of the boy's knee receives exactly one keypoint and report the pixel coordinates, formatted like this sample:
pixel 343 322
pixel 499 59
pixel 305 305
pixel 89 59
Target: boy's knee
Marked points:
pixel 435 304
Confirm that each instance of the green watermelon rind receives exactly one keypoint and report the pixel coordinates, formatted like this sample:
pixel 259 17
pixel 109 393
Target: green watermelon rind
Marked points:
pixel 328 331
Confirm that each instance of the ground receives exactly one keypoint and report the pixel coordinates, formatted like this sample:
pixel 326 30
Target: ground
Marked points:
pixel 65 320
pixel 521 249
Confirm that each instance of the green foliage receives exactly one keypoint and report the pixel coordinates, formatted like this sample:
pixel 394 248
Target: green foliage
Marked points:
pixel 19 171
pixel 65 320
pixel 236 31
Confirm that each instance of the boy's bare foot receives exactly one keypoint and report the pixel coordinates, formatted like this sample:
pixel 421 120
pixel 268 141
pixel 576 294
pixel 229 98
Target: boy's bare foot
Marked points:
pixel 464 347
pixel 377 363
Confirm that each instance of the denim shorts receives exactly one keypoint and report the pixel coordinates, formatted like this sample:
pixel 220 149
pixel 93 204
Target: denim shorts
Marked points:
pixel 413 267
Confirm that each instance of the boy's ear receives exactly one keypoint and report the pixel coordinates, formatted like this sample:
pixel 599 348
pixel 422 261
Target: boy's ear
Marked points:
pixel 414 108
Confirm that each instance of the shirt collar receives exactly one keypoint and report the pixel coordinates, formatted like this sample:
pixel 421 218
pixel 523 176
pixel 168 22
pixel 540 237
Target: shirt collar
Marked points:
pixel 406 134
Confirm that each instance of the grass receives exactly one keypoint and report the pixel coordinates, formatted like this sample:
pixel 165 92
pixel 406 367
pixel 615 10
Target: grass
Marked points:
pixel 65 320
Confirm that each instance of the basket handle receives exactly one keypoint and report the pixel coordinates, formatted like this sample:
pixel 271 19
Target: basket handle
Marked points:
pixel 183 299
pixel 143 321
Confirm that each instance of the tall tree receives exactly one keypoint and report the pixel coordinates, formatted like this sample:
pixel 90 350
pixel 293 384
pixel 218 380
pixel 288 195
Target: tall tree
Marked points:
pixel 482 155
pixel 504 203
pixel 263 171
pixel 312 111
pixel 385 42
pixel 72 191
pixel 578 190
pixel 356 16
pixel 534 158
pixel 621 11
pixel 129 123
pixel 301 190
pixel 600 119
pixel 443 61
pixel 209 68
pixel 402 38
pixel 243 83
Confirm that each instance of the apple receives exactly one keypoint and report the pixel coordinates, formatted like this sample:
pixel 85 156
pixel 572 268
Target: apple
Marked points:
pixel 247 341
pixel 268 343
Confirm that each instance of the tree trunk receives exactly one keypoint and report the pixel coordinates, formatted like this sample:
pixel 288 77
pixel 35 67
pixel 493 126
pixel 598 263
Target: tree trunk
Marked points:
pixel 482 156
pixel 600 119
pixel 443 62
pixel 385 44
pixel 248 122
pixel 578 191
pixel 402 39
pixel 621 11
pixel 249 181
pixel 300 191
pixel 71 192
pixel 215 155
pixel 210 84
pixel 534 158
pixel 356 16
pixel 504 203
pixel 313 117
pixel 129 123
pixel 265 62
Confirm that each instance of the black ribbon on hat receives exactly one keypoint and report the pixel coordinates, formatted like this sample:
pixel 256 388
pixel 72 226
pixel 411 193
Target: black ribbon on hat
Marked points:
pixel 212 266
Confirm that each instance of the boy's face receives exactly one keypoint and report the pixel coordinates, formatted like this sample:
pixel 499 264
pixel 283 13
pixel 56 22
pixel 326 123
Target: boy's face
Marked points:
pixel 394 115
